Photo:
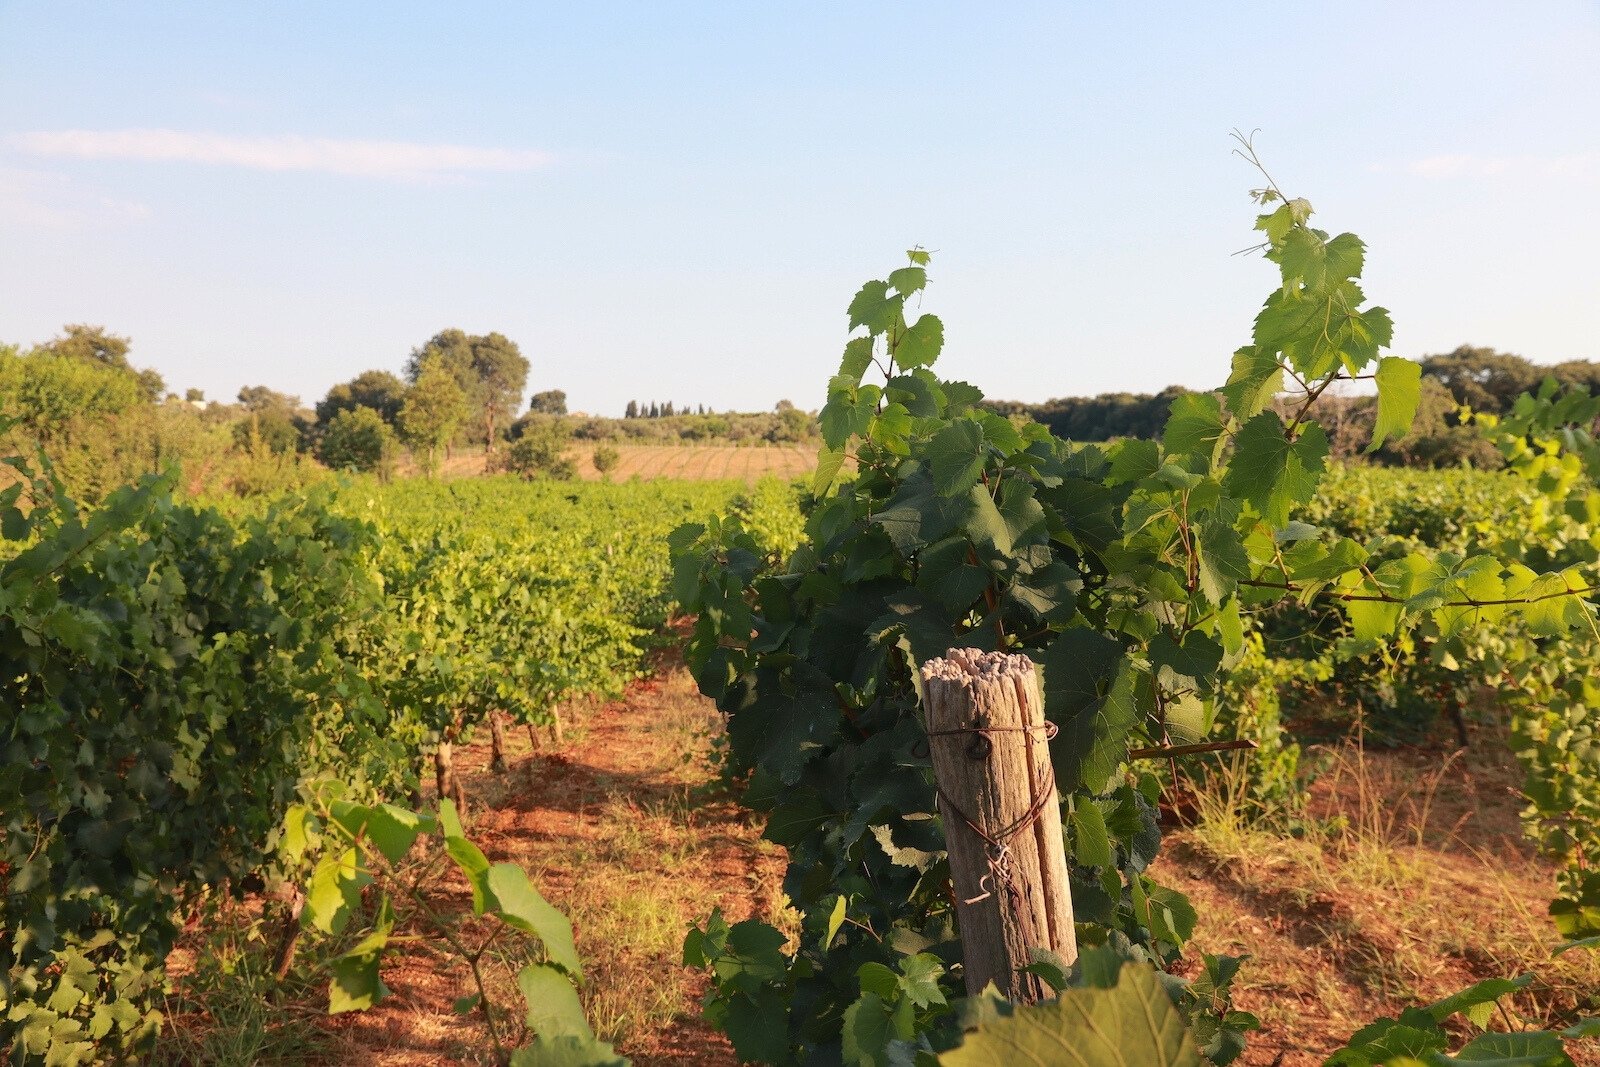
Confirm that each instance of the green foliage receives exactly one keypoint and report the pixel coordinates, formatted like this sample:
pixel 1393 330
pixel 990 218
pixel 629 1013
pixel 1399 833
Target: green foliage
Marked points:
pixel 490 370
pixel 1488 381
pixel 1131 1021
pixel 366 845
pixel 1419 1036
pixel 50 395
pixel 379 390
pixel 433 410
pixel 259 398
pixel 1127 572
pixel 180 676
pixel 1098 418
pixel 274 429
pixel 784 425
pixel 170 674
pixel 1399 393
pixel 605 459
pixel 541 451
pixel 549 402
pixel 358 439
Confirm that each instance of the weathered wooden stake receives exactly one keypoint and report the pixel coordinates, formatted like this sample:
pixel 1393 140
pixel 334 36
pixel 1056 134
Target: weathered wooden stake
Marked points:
pixel 446 780
pixel 288 931
pixel 443 768
pixel 497 743
pixel 1002 817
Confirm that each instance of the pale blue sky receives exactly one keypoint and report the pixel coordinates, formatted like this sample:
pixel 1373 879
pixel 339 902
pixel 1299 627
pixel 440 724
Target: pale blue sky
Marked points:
pixel 676 201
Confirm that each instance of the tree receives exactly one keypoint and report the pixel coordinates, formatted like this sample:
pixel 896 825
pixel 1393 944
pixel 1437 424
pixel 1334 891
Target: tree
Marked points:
pixel 151 383
pixel 358 438
pixel 490 371
pixel 632 411
pixel 605 459
pixel 194 396
pixel 793 425
pixel 1481 378
pixel 93 343
pixel 260 398
pixel 50 394
pixel 274 427
pixel 549 402
pixel 433 410
pixel 379 390
pixel 541 451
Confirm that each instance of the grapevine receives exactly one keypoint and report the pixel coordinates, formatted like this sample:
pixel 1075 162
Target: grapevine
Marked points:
pixel 1130 573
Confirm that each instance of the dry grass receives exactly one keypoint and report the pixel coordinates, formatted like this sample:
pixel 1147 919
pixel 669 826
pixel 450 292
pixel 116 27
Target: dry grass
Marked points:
pixel 1409 881
pixel 1407 888
pixel 685 462
pixel 618 828
pixel 615 832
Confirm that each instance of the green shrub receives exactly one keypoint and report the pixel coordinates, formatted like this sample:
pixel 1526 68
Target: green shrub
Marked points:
pixel 358 438
pixel 541 451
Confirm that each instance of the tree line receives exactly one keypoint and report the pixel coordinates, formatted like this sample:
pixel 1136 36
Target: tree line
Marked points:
pixel 1474 377
pixel 104 420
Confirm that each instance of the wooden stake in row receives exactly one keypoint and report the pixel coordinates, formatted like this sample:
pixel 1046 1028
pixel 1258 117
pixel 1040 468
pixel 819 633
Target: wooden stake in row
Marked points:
pixel 989 743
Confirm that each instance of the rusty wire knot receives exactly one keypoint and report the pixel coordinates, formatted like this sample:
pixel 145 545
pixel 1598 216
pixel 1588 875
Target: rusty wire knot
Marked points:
pixel 980 746
pixel 995 847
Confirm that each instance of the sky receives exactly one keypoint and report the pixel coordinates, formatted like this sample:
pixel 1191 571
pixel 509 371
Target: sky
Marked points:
pixel 676 201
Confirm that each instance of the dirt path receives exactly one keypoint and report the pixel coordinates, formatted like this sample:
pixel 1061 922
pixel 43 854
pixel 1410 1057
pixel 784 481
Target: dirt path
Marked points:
pixel 619 830
pixel 1428 888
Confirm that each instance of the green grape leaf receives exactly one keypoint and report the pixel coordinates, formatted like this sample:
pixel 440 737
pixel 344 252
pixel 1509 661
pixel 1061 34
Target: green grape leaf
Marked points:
pixel 829 463
pixel 1223 561
pixel 875 309
pixel 921 981
pixel 835 921
pixel 1399 393
pixel 298 830
pixel 920 344
pixel 568 1052
pixel 1195 426
pixel 955 457
pixel 867 1031
pixel 1260 458
pixel 1477 1002
pixel 553 1007
pixel 355 985
pixel 520 906
pixel 391 830
pixel 471 861
pixel 1256 378
pixel 857 358
pixel 335 891
pixel 1532 1048
pixel 1091 845
pixel 908 280
pixel 874 977
pixel 1135 1022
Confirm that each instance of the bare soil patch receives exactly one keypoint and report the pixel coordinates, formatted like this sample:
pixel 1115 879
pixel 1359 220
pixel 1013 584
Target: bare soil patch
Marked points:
pixel 618 828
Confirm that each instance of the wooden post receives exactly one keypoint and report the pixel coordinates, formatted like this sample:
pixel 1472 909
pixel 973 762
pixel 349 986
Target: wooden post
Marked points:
pixel 989 744
pixel 497 743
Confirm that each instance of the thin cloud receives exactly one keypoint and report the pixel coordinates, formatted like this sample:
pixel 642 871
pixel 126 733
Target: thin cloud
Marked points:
pixel 370 159
pixel 1580 166
pixel 42 200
